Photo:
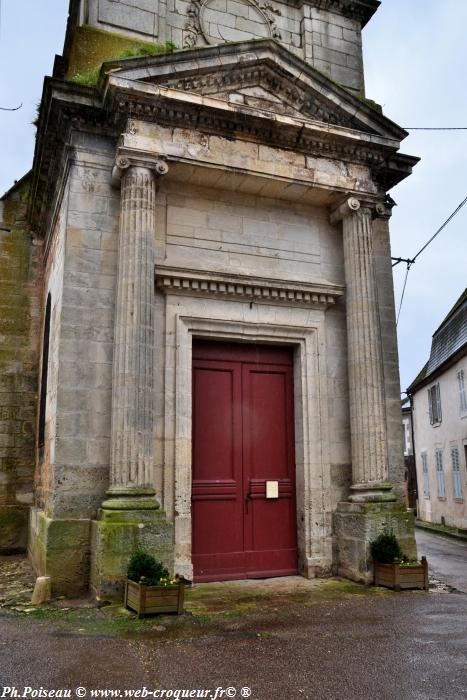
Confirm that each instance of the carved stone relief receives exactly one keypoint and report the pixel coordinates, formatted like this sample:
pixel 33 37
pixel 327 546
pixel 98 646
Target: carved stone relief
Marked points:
pixel 218 21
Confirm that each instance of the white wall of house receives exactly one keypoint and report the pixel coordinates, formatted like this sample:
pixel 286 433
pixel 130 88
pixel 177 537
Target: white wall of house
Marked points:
pixel 442 446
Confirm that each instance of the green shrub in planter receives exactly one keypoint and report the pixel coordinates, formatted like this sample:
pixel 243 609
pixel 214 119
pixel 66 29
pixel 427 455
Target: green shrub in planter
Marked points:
pixel 386 549
pixel 144 568
pixel 149 588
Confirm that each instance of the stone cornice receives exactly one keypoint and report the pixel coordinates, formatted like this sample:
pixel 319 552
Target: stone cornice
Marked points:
pixel 169 106
pixel 361 10
pixel 228 286
pixel 67 107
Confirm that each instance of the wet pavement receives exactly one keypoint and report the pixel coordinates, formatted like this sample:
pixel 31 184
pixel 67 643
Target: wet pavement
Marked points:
pixel 447 558
pixel 283 639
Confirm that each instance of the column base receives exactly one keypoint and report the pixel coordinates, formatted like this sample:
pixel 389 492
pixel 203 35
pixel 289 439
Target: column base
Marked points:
pixel 372 492
pixel 115 535
pixel 130 499
pixel 59 548
pixel 355 525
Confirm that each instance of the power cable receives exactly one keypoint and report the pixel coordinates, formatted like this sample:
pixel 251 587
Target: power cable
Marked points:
pixel 435 128
pixel 456 211
pixel 409 265
pixel 411 261
pixel 11 109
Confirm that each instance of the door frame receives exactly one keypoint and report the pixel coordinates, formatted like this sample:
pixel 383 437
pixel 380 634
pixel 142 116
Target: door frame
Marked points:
pixel 314 536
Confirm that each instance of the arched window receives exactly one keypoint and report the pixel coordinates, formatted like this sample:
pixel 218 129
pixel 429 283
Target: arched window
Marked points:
pixel 45 368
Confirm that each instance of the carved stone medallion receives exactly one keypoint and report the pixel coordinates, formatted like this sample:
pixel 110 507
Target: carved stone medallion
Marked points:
pixel 219 21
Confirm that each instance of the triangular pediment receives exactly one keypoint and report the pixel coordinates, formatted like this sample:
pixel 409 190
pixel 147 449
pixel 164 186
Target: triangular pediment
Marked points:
pixel 261 75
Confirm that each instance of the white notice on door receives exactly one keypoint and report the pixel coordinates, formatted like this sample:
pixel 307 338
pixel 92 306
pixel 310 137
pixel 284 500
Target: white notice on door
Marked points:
pixel 272 489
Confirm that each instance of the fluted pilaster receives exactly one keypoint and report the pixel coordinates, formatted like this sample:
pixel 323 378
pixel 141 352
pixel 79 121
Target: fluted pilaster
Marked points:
pixel 366 380
pixel 131 456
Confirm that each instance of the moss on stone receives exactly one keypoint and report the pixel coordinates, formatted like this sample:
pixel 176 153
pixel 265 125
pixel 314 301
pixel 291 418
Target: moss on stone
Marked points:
pixel 13 528
pixel 92 47
pixel 375 106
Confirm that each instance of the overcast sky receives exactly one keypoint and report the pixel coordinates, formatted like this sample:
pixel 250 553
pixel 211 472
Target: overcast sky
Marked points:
pixel 416 65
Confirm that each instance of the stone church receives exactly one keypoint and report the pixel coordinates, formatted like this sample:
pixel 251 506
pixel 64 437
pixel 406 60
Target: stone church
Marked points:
pixel 199 351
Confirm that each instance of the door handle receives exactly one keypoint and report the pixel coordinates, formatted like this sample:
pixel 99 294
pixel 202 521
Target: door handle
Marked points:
pixel 247 500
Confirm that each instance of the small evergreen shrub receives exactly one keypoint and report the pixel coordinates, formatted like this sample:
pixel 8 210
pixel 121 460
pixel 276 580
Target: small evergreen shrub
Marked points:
pixel 144 568
pixel 386 548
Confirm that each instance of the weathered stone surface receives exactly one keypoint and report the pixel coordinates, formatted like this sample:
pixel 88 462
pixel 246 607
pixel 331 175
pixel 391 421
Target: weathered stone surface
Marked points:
pixel 13 528
pixel 42 590
pixel 60 549
pixel 234 244
pixel 20 318
pixel 115 536
pixel 357 524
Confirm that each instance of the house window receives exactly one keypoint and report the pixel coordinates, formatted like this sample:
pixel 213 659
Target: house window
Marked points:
pixel 426 481
pixel 434 404
pixel 462 392
pixel 456 472
pixel 440 473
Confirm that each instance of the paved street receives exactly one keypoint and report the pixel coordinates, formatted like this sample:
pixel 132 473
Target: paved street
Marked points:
pixel 357 646
pixel 447 558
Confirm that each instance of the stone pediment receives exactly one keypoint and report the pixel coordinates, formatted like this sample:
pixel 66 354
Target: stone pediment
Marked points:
pixel 260 75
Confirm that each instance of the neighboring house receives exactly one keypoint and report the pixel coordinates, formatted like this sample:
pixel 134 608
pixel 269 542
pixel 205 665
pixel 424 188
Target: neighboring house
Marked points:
pixel 201 352
pixel 409 457
pixel 439 396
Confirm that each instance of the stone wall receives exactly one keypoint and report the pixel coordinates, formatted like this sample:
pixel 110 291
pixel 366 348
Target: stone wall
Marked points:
pixel 82 450
pixel 80 277
pixel 20 330
pixel 326 40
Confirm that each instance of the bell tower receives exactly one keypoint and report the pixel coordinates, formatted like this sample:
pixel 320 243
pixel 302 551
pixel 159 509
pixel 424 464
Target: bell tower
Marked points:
pixel 326 34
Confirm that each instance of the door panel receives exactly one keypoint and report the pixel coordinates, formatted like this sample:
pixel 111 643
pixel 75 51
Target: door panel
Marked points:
pixel 242 437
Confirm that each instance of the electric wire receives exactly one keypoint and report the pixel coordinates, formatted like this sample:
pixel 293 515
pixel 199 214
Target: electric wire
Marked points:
pixel 409 265
pixel 411 261
pixel 435 128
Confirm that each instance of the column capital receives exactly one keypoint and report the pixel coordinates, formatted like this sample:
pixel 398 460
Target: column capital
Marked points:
pixel 352 204
pixel 132 159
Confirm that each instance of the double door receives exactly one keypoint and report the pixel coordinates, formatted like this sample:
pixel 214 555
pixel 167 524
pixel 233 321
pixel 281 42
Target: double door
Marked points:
pixel 243 489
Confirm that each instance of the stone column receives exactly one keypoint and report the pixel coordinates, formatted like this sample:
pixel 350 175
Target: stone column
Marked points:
pixel 366 380
pixel 372 506
pixel 131 455
pixel 130 516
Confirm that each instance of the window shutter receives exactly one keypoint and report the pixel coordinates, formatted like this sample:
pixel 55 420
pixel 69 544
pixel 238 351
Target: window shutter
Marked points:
pixel 430 407
pixel 438 404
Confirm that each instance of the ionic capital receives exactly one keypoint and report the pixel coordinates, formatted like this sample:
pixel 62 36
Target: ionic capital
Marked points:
pixel 124 161
pixel 353 204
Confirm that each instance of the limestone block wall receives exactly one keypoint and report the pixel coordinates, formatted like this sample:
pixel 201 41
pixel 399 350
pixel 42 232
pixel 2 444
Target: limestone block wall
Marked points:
pixel 327 40
pixel 82 451
pixel 238 233
pixel 20 315
pixel 54 257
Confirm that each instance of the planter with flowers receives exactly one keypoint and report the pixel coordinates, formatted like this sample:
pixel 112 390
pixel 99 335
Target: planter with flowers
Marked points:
pixel 392 569
pixel 149 588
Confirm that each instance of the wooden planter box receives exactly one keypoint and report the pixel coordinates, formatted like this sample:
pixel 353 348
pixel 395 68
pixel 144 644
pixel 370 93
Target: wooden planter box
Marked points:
pixel 153 600
pixel 402 577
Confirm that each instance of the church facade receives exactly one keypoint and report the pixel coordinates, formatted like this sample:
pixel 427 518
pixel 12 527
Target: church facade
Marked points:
pixel 208 343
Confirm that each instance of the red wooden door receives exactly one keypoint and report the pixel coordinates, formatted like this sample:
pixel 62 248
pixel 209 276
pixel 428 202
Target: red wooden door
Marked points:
pixel 242 438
